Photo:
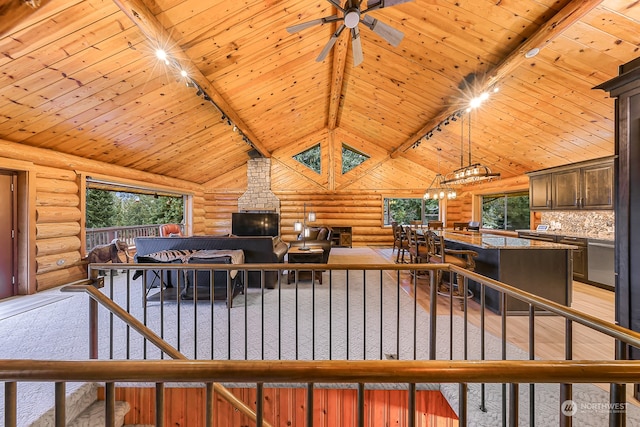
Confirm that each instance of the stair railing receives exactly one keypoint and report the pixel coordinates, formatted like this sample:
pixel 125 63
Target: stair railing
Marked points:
pixel 622 336
pixel 87 287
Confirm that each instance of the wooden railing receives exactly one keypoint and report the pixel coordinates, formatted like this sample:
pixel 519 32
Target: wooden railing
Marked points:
pixel 415 366
pixel 309 372
pixel 102 236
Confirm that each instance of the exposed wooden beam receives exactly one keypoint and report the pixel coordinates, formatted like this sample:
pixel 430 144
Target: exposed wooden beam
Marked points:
pixel 153 30
pixel 337 79
pixel 14 11
pixel 565 18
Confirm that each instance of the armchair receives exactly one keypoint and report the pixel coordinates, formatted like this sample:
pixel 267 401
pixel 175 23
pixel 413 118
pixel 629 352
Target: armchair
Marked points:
pixel 167 230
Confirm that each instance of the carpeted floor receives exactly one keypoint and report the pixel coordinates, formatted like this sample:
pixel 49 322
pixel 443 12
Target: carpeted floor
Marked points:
pixel 315 321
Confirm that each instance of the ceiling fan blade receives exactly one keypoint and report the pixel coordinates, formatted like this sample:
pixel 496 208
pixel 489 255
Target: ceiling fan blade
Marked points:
pixel 336 5
pixel 330 43
pixel 387 32
pixel 356 45
pixel 384 3
pixel 320 21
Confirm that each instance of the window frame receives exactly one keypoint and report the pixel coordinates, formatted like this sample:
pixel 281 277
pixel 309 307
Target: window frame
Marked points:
pixel 505 195
pixel 424 217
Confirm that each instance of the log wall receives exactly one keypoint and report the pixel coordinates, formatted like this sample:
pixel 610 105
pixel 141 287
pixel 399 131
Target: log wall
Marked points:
pixel 51 200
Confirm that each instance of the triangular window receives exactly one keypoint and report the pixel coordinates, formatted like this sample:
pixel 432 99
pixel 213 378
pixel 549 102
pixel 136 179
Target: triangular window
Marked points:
pixel 351 158
pixel 310 158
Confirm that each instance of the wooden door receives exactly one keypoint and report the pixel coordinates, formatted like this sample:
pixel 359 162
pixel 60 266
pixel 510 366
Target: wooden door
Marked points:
pixel 566 189
pixel 7 235
pixel 597 187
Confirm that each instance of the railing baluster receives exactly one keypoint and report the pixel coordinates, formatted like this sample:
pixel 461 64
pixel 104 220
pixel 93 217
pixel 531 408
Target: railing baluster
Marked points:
pixel 159 405
pixel 462 405
pixel 483 405
pixel 347 310
pixel 415 316
pixel 110 404
pixel 618 392
pixel 259 404
pixel 465 316
pixel 364 315
pixel 361 422
pixel 10 404
pixel 513 404
pixel 503 317
pixel 209 416
pixel 412 410
pixel 309 412
pixel 566 390
pixel 60 404
pixel 532 356
pixel 433 308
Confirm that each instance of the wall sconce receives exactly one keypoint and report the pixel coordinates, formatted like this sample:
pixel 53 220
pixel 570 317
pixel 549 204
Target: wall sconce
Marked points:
pixel 302 226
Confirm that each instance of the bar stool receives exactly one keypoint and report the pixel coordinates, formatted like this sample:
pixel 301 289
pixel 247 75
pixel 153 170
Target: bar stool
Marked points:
pixel 438 254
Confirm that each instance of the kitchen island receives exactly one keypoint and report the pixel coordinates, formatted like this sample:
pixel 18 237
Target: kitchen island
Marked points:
pixel 540 268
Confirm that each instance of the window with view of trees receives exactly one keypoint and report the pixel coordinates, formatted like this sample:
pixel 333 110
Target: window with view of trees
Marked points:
pixel 115 208
pixel 351 158
pixel 310 158
pixel 403 211
pixel 507 211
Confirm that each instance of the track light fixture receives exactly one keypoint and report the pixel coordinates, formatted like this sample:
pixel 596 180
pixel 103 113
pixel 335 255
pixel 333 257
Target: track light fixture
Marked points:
pixel 189 82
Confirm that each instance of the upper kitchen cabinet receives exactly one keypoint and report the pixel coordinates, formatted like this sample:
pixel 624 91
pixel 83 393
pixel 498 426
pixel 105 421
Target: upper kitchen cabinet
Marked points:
pixel 540 192
pixel 585 185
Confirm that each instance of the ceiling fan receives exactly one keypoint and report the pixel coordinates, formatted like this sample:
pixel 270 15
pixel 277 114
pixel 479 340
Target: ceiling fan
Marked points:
pixel 352 15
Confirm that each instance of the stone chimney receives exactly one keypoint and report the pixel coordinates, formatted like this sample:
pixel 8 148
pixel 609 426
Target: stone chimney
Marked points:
pixel 259 196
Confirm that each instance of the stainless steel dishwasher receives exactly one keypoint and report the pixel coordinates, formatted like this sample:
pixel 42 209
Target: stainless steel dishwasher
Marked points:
pixel 601 260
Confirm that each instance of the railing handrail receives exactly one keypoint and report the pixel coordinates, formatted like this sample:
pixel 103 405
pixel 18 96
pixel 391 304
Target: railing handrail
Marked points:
pixel 328 371
pixel 114 308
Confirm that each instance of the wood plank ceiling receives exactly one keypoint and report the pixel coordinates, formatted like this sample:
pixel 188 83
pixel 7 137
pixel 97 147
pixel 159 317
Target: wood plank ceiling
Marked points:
pixel 81 77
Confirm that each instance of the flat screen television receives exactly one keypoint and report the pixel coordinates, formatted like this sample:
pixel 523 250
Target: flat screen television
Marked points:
pixel 255 224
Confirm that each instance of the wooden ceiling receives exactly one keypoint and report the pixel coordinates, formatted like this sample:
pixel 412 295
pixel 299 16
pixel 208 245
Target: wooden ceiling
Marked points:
pixel 81 77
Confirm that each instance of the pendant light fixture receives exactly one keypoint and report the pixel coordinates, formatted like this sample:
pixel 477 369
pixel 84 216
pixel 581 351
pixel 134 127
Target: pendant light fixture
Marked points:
pixel 438 188
pixel 471 173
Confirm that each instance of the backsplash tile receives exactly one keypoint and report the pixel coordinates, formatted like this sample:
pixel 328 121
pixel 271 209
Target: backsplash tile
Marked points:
pixel 580 221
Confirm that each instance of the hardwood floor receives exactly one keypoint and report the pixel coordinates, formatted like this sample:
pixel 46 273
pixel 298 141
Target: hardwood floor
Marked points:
pixel 549 330
pixel 549 336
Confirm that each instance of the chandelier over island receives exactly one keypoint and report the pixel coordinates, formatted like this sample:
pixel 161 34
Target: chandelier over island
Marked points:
pixel 438 188
pixel 471 173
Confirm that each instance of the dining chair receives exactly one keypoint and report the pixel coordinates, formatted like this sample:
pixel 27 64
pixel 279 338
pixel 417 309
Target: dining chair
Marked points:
pixel 435 225
pixel 400 241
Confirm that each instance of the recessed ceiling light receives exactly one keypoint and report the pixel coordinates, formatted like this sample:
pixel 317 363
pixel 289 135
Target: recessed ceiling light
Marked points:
pixel 532 52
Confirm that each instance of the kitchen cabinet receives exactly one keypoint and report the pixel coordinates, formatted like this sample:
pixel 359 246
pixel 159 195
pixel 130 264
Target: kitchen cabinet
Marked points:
pixel 579 256
pixel 540 192
pixel 585 185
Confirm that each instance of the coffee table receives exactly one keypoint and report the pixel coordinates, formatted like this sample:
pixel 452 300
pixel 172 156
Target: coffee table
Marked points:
pixel 309 256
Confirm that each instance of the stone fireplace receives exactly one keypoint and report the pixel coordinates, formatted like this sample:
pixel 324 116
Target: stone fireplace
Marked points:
pixel 259 196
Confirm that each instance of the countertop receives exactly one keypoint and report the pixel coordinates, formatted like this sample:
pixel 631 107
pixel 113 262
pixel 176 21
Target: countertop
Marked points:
pixel 603 236
pixel 494 241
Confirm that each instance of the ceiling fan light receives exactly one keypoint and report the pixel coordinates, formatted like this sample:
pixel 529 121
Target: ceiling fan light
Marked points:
pixel 352 18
